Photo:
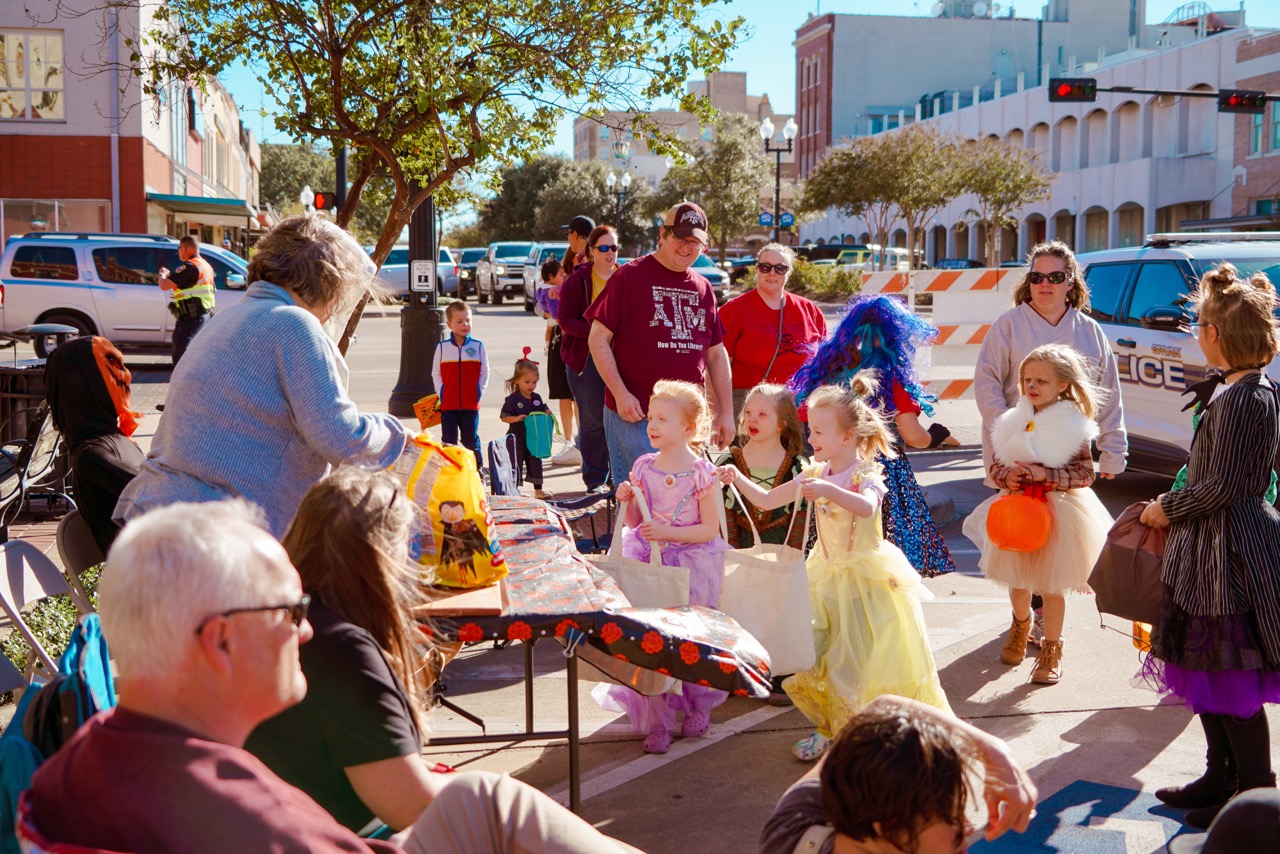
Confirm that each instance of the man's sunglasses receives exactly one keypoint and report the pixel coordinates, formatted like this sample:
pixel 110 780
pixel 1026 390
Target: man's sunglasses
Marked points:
pixel 1055 278
pixel 780 269
pixel 604 247
pixel 297 612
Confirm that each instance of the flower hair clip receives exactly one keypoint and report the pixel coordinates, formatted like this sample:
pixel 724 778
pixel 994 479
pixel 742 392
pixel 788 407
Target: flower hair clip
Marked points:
pixel 525 355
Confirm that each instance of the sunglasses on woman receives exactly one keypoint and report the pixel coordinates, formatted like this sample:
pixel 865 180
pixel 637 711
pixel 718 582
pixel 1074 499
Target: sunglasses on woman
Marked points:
pixel 780 269
pixel 604 247
pixel 1055 278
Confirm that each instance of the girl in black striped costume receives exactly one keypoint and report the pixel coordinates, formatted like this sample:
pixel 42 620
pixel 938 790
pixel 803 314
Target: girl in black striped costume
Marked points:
pixel 1217 644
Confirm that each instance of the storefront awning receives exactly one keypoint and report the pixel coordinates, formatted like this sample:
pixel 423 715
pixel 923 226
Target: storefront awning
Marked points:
pixel 206 210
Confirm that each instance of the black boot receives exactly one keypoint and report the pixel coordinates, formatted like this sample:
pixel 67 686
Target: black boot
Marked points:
pixel 1250 740
pixel 1219 780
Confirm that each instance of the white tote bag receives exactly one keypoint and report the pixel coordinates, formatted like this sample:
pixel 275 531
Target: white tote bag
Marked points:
pixel 766 590
pixel 646 585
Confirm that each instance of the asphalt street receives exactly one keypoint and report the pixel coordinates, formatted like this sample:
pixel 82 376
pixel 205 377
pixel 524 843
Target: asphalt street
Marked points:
pixel 1097 745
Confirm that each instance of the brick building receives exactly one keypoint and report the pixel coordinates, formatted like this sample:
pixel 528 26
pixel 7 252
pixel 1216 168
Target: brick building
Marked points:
pixel 1255 198
pixel 77 153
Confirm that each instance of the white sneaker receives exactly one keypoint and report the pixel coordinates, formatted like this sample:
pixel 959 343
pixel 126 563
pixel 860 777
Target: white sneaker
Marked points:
pixel 569 456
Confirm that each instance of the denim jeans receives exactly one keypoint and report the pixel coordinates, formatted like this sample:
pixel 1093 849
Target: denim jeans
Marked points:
pixel 588 393
pixel 466 421
pixel 628 441
pixel 184 329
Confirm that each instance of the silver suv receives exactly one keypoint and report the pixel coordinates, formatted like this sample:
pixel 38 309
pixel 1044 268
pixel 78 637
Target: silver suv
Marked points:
pixel 102 284
pixel 1139 296
pixel 540 254
pixel 501 271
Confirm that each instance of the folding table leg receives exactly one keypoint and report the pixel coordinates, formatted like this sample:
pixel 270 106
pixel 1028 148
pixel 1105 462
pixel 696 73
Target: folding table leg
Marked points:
pixel 575 770
pixel 528 685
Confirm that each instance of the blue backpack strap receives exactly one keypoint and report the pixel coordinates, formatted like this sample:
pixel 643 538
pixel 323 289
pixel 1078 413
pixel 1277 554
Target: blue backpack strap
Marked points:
pixel 88 663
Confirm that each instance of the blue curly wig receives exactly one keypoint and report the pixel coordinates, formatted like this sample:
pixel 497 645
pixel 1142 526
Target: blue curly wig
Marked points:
pixel 877 332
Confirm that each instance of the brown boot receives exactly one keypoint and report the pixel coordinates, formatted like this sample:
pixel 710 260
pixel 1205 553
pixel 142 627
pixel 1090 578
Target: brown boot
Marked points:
pixel 1048 669
pixel 1015 648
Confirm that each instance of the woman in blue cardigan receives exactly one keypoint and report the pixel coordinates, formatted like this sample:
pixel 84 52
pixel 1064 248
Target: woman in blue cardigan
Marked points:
pixel 258 407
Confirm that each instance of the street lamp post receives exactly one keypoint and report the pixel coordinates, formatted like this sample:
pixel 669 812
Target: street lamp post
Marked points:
pixel 622 184
pixel 789 131
pixel 421 321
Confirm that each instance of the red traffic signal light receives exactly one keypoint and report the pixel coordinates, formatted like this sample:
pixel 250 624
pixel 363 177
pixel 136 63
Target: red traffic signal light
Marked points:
pixel 1246 101
pixel 326 201
pixel 1073 89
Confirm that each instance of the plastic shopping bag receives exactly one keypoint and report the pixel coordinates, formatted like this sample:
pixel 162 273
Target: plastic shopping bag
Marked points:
pixel 456 544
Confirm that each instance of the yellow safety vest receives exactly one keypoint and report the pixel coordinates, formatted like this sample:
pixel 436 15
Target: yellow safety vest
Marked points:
pixel 203 289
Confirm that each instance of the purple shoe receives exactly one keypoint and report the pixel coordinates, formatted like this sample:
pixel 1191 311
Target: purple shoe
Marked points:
pixel 695 724
pixel 658 741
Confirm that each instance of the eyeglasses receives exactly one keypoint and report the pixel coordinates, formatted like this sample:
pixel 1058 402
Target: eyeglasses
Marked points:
pixel 780 269
pixel 297 612
pixel 1195 329
pixel 688 242
pixel 1055 278
pixel 604 247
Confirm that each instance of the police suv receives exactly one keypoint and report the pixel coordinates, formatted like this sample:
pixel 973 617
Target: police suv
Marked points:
pixel 102 284
pixel 1139 296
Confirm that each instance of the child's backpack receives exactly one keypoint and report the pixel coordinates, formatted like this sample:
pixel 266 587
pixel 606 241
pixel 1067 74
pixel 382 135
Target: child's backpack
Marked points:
pixel 539 430
pixel 48 715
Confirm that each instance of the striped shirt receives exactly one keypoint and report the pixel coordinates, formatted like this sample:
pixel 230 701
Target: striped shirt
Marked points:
pixel 1223 552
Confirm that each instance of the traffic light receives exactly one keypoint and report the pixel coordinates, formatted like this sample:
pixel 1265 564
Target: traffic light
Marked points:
pixel 1073 89
pixel 1242 101
pixel 326 200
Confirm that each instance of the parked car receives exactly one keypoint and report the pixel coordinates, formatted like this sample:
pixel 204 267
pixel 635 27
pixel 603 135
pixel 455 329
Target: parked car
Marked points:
pixel 102 284
pixel 1139 296
pixel 814 252
pixel 394 272
pixel 1015 263
pixel 501 271
pixel 958 264
pixel 467 259
pixel 532 273
pixel 718 278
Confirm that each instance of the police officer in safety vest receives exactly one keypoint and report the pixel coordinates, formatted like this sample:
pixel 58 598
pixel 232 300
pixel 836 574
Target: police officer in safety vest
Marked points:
pixel 192 286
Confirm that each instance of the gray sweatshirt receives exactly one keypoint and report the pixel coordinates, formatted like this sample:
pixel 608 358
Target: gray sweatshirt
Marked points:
pixel 1019 331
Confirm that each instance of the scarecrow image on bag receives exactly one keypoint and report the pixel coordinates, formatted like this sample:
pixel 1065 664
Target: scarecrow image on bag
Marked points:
pixel 462 539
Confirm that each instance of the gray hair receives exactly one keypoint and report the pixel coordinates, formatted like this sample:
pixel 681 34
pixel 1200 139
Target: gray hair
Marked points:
pixel 175 566
pixel 788 254
pixel 318 261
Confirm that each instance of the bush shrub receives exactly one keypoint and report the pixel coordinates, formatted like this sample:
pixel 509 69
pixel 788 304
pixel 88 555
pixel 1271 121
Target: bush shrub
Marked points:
pixel 824 282
pixel 51 621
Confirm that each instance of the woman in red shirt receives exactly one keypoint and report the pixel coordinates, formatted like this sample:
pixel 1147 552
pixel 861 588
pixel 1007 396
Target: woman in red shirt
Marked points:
pixel 768 333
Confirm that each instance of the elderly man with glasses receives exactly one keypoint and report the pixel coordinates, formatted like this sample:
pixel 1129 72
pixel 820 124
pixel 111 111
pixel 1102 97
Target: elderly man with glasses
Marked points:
pixel 657 320
pixel 204 615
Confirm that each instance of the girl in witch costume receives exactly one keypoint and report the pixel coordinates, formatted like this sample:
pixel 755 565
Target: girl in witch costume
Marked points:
pixel 1216 645
pixel 879 333
pixel 1044 441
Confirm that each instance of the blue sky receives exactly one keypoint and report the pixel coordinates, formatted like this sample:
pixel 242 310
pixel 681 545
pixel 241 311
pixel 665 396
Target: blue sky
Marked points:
pixel 766 54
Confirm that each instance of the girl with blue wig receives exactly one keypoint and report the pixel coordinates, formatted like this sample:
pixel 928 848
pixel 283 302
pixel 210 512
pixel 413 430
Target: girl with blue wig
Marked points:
pixel 879 333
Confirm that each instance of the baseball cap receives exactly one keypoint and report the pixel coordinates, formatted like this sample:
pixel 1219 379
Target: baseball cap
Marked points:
pixel 583 225
pixel 687 220
pixel 1251 816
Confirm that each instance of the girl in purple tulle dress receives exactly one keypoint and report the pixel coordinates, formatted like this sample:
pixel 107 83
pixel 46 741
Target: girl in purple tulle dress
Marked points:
pixel 681 491
pixel 1217 643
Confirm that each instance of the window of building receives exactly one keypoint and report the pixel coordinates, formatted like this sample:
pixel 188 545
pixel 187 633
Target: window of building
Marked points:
pixel 44 262
pixel 1275 125
pixel 706 134
pixel 1264 207
pixel 604 132
pixel 22 216
pixel 681 132
pixel 31 84
pixel 1255 134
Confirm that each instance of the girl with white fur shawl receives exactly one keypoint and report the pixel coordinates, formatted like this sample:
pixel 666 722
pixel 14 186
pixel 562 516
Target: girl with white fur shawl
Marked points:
pixel 1044 439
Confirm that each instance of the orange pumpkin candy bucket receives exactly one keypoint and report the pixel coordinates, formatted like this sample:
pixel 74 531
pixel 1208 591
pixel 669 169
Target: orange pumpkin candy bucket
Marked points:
pixel 1020 521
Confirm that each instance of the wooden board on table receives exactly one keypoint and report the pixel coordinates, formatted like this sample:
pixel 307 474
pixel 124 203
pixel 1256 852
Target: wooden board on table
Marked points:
pixel 453 602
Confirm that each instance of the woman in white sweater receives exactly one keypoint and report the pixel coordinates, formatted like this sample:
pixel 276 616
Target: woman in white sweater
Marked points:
pixel 1049 307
